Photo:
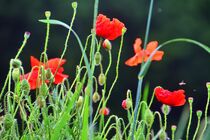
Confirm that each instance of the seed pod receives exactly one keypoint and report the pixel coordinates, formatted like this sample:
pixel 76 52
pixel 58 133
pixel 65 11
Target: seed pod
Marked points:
pixel 101 79
pixel 98 58
pixel 16 63
pixel 107 45
pixel 96 97
pixel 16 74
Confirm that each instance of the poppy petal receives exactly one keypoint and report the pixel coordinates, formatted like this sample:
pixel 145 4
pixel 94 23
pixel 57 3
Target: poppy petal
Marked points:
pixel 151 46
pixel 137 45
pixel 35 62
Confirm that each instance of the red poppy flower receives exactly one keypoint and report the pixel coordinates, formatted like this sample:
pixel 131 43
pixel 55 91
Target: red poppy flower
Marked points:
pixel 108 29
pixel 52 64
pixel 175 98
pixel 104 111
pixel 140 53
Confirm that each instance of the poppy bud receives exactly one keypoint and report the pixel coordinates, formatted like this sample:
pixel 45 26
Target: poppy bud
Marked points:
pixel 163 135
pixel 208 85
pixel 8 121
pixel 80 101
pixel 199 113
pixel 25 86
pixel 101 79
pixel 16 63
pixel 78 87
pixel 16 74
pixel 87 89
pixel 49 75
pixel 104 111
pixel 190 100
pixel 43 89
pixel 173 127
pixel 141 136
pixel 40 101
pixel 107 45
pixel 166 109
pixel 27 35
pixel 98 58
pixel 47 14
pixel 149 117
pixel 74 5
pixel 96 97
pixel 127 103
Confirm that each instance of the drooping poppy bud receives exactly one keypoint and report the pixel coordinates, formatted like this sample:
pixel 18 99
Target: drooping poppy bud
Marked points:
pixel 107 45
pixel 8 121
pixel 149 117
pixel 16 74
pixel 98 58
pixel 43 89
pixel 104 111
pixel 49 75
pixel 126 104
pixel 16 63
pixel 163 135
pixel 96 97
pixel 165 109
pixel 25 86
pixel 80 101
pixel 101 79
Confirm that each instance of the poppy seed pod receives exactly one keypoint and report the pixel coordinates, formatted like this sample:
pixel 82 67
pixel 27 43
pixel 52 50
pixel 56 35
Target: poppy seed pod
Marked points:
pixel 8 121
pixel 173 127
pixel 98 58
pixel 16 74
pixel 101 79
pixel 16 63
pixel 27 35
pixel 107 45
pixel 149 117
pixel 47 14
pixel 126 104
pixel 24 86
pixel 208 85
pixel 199 113
pixel 96 97
pixel 74 5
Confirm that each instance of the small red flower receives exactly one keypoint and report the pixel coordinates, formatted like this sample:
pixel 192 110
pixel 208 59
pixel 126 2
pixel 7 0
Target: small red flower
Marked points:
pixel 126 104
pixel 52 64
pixel 175 98
pixel 140 53
pixel 104 111
pixel 108 29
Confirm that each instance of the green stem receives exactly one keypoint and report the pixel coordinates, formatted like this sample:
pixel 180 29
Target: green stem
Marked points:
pixel 190 119
pixel 206 115
pixel 199 114
pixel 165 121
pixel 47 35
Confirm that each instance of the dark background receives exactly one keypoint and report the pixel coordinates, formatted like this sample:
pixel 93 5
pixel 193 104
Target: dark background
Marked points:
pixel 171 19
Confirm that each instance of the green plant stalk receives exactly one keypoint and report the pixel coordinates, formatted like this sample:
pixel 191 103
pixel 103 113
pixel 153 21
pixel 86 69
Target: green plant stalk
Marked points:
pixel 172 134
pixel 206 115
pixel 197 128
pixel 189 122
pixel 140 79
pixel 47 36
pixel 10 69
pixel 165 121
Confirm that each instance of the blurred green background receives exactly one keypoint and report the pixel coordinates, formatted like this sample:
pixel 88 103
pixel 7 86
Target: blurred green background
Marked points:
pixel 171 19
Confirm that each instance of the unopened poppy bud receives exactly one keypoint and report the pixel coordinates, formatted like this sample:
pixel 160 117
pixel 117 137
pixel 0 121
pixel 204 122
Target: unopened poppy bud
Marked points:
pixel 74 5
pixel 40 101
pixel 16 63
pixel 96 97
pixel 101 79
pixel 126 104
pixel 48 74
pixel 149 117
pixel 8 121
pixel 166 109
pixel 190 100
pixel 88 89
pixel 43 89
pixel 208 85
pixel 27 35
pixel 107 45
pixel 173 127
pixel 98 58
pixel 16 74
pixel 25 86
pixel 78 87
pixel 47 14
pixel 80 101
pixel 199 113
pixel 163 135
pixel 104 111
